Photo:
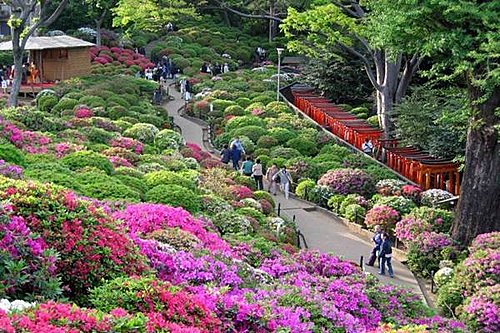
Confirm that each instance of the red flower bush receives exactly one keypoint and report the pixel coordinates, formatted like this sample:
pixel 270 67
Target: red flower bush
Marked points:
pixel 89 242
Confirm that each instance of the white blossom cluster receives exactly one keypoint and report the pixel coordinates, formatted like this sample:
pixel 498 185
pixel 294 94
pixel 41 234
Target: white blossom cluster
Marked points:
pixel 16 305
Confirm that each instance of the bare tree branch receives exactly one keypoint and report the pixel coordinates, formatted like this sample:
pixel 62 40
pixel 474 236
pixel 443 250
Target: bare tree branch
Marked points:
pixel 254 16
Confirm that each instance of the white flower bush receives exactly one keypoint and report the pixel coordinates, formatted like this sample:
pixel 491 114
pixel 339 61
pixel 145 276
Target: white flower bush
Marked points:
pixel 433 196
pixel 249 202
pixel 443 276
pixel 16 305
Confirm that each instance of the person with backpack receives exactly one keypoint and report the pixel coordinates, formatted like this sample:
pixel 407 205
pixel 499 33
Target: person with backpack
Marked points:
pixel 246 167
pixel 285 179
pixel 258 175
pixel 225 154
pixel 367 147
pixel 271 172
pixel 386 255
pixel 377 241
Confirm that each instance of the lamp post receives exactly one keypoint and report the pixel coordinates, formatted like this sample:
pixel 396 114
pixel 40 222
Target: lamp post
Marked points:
pixel 279 49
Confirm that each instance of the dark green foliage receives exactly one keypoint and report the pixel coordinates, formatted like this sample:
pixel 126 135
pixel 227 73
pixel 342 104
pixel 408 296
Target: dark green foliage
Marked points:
pixel 304 146
pixel 11 154
pixel 435 120
pixel 47 102
pixel 176 196
pixel 82 159
pixel 252 132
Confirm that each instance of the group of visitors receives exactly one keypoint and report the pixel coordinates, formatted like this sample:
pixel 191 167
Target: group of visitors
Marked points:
pixel 381 252
pixel 164 69
pixel 214 69
pixel 30 75
pixel 234 152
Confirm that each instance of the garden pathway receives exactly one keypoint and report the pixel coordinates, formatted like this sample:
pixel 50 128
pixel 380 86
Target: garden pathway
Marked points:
pixel 323 231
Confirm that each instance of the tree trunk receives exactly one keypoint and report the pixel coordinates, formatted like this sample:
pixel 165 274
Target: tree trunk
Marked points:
pixel 18 68
pixel 98 28
pixel 387 73
pixel 478 209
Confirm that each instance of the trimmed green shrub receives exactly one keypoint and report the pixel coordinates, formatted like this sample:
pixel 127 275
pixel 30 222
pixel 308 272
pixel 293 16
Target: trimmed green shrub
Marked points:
pixel 176 196
pixel 252 132
pixel 110 190
pixel 234 110
pixel 243 102
pixel 143 132
pixel 243 121
pixel 373 120
pixel 92 101
pixel 168 139
pixel 266 141
pixel 126 171
pixel 165 177
pixel 151 119
pixel 9 153
pixel 98 135
pixel 335 202
pixel 47 102
pixel 282 135
pixel 81 159
pixel 119 100
pixel 286 153
pixel 304 146
pixel 355 213
pixel 304 187
pixel 64 104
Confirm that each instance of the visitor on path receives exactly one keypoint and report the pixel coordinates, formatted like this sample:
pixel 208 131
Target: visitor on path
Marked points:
pixel 225 154
pixel 367 147
pixel 258 174
pixel 239 145
pixel 285 179
pixel 235 156
pixel 247 167
pixel 188 91
pixel 271 172
pixel 225 69
pixel 377 241
pixel 386 255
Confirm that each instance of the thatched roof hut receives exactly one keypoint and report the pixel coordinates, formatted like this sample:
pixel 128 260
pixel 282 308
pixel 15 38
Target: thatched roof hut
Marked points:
pixel 59 57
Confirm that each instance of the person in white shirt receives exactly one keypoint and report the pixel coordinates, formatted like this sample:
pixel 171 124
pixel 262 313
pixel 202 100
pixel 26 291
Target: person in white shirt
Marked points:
pixel 258 174
pixel 367 147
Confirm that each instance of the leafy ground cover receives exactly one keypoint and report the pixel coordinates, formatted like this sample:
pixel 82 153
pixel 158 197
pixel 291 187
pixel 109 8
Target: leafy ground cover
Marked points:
pixel 109 221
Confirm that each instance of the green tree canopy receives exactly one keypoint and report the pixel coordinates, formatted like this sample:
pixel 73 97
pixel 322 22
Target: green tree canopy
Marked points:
pixel 151 15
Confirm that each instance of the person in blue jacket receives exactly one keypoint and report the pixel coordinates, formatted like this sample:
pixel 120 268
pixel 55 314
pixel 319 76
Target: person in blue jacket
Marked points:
pixel 377 240
pixel 386 255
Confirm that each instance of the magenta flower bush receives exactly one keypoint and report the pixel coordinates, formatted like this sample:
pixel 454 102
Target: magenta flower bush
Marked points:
pixel 146 218
pixel 409 228
pixel 347 181
pixel 489 241
pixel 482 311
pixel 382 215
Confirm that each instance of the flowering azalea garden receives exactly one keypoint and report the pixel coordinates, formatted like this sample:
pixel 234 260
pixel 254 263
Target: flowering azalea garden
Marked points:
pixel 112 221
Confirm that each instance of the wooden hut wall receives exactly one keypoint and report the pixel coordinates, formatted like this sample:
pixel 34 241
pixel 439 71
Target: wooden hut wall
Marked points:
pixel 62 64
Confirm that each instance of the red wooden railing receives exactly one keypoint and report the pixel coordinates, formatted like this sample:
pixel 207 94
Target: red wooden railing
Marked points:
pixel 416 165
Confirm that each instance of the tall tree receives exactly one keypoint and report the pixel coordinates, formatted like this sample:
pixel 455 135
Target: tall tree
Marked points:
pixel 342 28
pixel 151 15
pixel 23 24
pixel 463 39
pixel 99 11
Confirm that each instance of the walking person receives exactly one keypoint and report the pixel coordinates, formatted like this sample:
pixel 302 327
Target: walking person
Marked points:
pixel 367 147
pixel 285 180
pixel 377 241
pixel 247 167
pixel 271 172
pixel 258 175
pixel 235 157
pixel 386 255
pixel 225 154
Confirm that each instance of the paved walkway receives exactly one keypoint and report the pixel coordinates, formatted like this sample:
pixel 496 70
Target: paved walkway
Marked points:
pixel 322 231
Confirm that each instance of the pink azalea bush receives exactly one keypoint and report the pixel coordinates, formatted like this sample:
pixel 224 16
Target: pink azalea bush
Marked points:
pixel 128 143
pixel 83 111
pixel 64 148
pixel 30 142
pixel 240 192
pixel 347 181
pixel 382 215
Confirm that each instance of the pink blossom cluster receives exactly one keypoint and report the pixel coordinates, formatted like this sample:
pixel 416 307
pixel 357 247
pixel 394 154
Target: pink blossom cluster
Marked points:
pixel 128 143
pixel 382 215
pixel 409 228
pixel 104 55
pixel 31 142
pixel 64 148
pixel 83 111
pixel 118 161
pixel 240 192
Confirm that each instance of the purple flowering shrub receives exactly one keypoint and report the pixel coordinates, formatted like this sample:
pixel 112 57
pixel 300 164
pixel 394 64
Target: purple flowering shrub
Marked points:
pixel 427 250
pixel 482 311
pixel 347 181
pixel 28 265
pixel 10 170
pixel 489 241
